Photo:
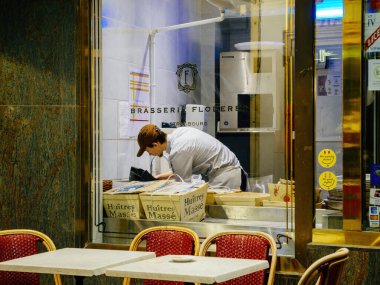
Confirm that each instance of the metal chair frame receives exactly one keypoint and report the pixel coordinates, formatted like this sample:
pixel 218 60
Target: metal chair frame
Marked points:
pixel 46 241
pixel 329 268
pixel 272 265
pixel 139 238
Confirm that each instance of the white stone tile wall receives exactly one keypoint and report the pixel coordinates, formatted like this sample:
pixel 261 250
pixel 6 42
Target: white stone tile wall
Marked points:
pixel 125 47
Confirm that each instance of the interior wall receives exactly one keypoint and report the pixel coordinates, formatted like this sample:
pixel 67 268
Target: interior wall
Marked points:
pixel 40 169
pixel 125 48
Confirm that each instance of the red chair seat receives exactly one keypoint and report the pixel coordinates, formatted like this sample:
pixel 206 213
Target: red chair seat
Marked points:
pixel 246 245
pixel 164 240
pixel 15 246
pixel 15 243
pixel 243 246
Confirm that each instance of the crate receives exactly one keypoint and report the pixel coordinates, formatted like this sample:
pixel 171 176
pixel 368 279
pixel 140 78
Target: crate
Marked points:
pixel 281 192
pixel 241 199
pixel 127 205
pixel 210 198
pixel 212 192
pixel 164 205
pixel 277 204
pixel 123 206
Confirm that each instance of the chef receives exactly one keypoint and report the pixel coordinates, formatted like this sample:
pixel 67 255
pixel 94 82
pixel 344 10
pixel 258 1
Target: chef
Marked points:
pixel 192 151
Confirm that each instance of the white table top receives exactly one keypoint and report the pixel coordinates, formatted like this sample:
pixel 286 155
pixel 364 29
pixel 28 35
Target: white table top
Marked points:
pixel 74 261
pixel 200 269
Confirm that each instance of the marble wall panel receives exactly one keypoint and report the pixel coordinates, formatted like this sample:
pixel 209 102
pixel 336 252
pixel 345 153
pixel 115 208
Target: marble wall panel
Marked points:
pixel 38 169
pixel 37 52
pixel 40 164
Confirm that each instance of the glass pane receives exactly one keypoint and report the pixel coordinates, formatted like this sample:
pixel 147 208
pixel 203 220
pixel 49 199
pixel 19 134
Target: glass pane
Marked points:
pixel 371 113
pixel 328 114
pixel 222 67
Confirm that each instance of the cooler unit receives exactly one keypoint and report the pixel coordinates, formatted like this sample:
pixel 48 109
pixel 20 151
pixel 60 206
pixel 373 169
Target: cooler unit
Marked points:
pixel 251 87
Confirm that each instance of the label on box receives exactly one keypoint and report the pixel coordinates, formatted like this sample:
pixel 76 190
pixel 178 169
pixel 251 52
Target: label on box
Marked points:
pixel 165 211
pixel 373 216
pixel 374 196
pixel 122 209
pixel 183 206
pixel 279 192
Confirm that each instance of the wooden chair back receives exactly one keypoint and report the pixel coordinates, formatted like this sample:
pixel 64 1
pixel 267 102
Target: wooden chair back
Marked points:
pixel 327 270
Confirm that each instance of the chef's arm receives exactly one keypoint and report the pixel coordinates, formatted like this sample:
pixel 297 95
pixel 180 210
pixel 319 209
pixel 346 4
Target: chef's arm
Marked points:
pixel 164 175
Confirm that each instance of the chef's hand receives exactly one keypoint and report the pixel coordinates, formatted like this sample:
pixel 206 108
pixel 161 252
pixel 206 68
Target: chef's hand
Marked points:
pixel 165 175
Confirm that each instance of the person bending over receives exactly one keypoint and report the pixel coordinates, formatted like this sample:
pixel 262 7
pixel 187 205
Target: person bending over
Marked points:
pixel 192 151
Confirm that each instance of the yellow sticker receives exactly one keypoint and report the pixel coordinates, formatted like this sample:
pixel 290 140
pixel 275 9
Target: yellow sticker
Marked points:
pixel 327 158
pixel 327 180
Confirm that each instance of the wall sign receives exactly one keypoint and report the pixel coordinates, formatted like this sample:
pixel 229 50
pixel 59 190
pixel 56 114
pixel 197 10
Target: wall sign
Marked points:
pixel 373 74
pixel 375 175
pixel 327 158
pixel 187 77
pixel 372 32
pixel 327 180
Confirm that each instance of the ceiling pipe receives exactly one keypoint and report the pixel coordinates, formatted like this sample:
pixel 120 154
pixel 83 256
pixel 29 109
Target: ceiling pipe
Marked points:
pixel 155 31
pixel 190 24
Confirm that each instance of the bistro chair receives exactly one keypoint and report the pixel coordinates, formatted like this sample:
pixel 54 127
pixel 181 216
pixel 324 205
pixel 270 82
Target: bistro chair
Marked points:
pixel 165 240
pixel 248 245
pixel 327 270
pixel 17 243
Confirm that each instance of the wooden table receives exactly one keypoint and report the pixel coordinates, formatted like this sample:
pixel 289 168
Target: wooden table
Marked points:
pixel 79 262
pixel 198 269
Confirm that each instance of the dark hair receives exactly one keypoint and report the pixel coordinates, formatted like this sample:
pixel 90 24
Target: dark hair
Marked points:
pixel 161 137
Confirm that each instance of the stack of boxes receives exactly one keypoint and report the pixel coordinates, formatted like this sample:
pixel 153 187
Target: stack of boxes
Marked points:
pixel 157 200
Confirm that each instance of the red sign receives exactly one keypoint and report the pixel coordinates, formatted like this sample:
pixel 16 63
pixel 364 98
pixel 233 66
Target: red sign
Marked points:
pixel 372 38
pixel 375 5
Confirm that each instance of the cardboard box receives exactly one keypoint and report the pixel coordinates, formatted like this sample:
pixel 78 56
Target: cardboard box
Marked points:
pixel 281 192
pixel 211 193
pixel 279 204
pixel 167 205
pixel 210 199
pixel 127 205
pixel 241 199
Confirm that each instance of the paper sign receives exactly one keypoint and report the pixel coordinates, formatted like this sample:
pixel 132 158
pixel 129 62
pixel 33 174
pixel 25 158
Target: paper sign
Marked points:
pixel 372 32
pixel 374 74
pixel 374 196
pixel 139 87
pixel 373 216
pixel 129 122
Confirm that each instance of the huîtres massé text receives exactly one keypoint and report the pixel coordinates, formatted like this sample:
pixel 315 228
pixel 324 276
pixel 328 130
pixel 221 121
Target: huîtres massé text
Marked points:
pixel 192 205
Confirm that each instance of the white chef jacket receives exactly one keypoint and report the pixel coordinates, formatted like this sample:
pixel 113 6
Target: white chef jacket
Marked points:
pixel 192 151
